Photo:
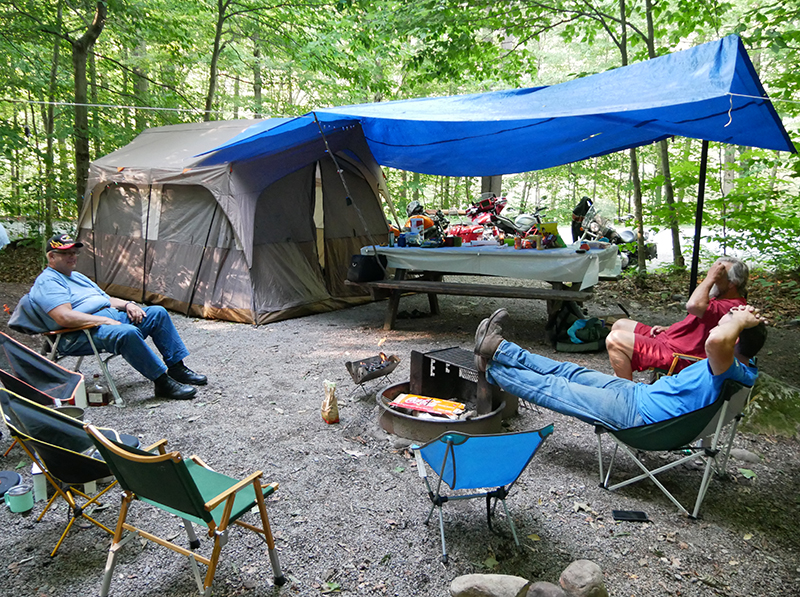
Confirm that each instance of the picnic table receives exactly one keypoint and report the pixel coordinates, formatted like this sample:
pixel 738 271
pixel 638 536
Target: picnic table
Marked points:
pixel 421 270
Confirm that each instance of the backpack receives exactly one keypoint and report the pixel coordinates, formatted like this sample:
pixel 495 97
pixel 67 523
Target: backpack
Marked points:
pixel 568 330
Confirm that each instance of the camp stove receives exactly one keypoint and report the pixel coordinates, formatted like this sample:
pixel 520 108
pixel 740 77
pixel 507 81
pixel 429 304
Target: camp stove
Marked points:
pixel 371 368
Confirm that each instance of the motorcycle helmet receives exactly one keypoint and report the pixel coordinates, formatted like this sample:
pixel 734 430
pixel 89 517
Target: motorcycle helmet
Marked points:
pixel 414 208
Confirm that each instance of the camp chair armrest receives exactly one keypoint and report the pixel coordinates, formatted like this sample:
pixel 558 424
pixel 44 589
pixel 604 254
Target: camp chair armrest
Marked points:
pixel 86 326
pixel 102 439
pixel 159 444
pixel 251 479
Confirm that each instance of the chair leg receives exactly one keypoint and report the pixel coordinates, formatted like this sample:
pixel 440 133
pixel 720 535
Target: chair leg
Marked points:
pixel 511 523
pixel 117 543
pixel 441 532
pixel 104 368
pixel 277 573
pixel 194 542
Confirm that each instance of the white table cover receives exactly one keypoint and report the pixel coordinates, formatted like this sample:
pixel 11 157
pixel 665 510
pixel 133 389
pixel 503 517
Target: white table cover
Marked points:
pixel 551 265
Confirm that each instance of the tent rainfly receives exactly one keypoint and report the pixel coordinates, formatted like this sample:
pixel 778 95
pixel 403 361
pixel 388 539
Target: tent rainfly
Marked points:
pixel 259 240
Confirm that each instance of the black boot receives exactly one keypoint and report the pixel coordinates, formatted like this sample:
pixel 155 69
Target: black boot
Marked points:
pixel 182 373
pixel 166 387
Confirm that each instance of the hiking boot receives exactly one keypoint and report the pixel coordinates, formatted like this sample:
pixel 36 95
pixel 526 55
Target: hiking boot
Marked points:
pixel 489 334
pixel 168 388
pixel 181 373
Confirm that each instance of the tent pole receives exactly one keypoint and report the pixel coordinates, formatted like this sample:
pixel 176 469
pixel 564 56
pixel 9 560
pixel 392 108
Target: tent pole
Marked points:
pixel 698 218
pixel 202 258
pixel 348 199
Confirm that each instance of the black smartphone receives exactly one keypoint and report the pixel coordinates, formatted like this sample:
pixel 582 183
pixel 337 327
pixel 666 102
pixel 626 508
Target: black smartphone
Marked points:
pixel 630 515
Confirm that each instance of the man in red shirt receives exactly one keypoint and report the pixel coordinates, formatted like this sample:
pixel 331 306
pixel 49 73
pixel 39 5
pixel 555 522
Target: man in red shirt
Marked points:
pixel 634 346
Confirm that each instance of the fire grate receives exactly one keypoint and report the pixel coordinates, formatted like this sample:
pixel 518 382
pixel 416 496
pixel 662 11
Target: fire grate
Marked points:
pixel 371 368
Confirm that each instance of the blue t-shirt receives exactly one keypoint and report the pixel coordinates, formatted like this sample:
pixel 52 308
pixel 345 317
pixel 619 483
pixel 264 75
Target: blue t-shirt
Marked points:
pixel 53 289
pixel 690 390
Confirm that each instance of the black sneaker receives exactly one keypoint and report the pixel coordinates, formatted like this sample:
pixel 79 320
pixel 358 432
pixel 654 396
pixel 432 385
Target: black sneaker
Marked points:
pixel 168 388
pixel 182 373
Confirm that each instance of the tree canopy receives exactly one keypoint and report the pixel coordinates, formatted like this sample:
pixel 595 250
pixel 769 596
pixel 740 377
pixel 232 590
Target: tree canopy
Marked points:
pixel 83 78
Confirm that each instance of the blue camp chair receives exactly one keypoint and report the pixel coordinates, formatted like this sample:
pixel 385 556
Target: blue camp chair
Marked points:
pixel 697 434
pixel 473 462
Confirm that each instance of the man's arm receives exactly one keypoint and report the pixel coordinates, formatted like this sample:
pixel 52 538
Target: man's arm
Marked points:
pixel 698 302
pixel 722 340
pixel 65 316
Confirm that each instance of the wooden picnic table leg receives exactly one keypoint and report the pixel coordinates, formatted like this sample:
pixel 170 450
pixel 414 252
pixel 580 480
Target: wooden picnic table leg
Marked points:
pixel 433 298
pixel 394 302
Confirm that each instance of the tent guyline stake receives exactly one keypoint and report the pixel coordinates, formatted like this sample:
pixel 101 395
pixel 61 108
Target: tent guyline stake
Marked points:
pixel 340 172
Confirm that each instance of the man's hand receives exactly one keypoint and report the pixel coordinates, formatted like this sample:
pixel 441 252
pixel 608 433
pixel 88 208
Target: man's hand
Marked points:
pixel 135 313
pixel 721 343
pixel 658 329
pixel 717 273
pixel 748 316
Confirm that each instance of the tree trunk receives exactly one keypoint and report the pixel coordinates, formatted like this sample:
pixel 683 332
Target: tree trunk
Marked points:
pixel 49 128
pixel 492 184
pixel 637 202
pixel 80 52
pixel 140 88
pixel 257 80
pixel 222 6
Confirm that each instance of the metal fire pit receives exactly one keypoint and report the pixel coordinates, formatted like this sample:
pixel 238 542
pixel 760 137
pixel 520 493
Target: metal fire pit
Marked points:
pixel 450 374
pixel 371 368
pixel 423 430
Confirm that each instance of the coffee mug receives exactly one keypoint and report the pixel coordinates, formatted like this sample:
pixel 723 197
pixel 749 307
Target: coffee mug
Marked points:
pixel 19 498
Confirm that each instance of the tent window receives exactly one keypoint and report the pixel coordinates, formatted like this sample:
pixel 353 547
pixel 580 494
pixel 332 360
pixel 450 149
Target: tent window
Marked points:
pixel 119 211
pixel 188 214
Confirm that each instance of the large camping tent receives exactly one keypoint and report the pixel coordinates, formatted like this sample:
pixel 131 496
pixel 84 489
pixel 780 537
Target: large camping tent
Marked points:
pixel 258 240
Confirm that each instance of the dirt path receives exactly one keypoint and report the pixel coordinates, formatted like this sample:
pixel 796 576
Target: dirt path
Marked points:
pixel 350 509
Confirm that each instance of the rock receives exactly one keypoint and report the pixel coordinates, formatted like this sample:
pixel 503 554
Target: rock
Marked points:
pixel 486 585
pixel 583 578
pixel 677 298
pixel 401 443
pixel 744 455
pixel 545 589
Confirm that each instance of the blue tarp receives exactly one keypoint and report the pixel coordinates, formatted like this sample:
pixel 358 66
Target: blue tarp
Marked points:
pixel 708 92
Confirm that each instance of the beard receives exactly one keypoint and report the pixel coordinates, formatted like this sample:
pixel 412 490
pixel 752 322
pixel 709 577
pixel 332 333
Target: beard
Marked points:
pixel 714 293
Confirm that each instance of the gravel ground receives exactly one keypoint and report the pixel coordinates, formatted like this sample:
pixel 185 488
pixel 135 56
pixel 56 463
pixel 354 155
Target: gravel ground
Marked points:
pixel 350 509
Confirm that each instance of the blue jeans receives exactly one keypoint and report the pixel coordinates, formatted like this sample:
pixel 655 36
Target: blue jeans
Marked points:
pixel 565 387
pixel 128 341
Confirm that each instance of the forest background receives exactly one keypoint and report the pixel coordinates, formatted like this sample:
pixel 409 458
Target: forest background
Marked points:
pixel 81 79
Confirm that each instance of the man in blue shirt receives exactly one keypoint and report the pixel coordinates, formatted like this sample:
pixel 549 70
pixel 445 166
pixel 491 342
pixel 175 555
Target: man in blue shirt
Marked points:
pixel 64 298
pixel 614 402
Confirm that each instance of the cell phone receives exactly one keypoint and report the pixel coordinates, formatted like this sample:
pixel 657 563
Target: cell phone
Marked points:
pixel 630 515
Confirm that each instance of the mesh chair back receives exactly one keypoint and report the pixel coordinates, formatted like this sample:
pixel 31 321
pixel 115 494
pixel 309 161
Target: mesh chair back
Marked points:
pixel 676 433
pixel 165 482
pixel 58 440
pixel 476 461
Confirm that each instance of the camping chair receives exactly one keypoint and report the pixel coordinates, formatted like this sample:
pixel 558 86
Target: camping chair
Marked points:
pixel 471 462
pixel 189 489
pixel 58 445
pixel 25 320
pixel 697 434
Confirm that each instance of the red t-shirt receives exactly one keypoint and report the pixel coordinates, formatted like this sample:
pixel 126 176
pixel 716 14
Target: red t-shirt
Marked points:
pixel 689 335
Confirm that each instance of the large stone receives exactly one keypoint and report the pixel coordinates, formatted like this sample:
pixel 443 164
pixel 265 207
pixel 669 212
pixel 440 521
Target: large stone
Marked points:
pixel 545 589
pixel 583 578
pixel 486 585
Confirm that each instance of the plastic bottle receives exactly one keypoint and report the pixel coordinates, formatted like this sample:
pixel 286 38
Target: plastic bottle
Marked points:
pixel 97 393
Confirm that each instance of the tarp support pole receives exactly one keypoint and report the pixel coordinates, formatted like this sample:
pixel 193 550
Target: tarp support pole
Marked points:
pixel 698 218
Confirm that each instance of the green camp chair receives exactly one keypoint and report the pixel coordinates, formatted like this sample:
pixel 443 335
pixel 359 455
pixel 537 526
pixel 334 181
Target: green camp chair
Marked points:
pixel 189 489
pixel 471 462
pixel 58 445
pixel 697 434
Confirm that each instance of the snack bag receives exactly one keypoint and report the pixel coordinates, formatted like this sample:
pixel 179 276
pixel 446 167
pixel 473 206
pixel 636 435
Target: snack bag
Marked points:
pixel 330 408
